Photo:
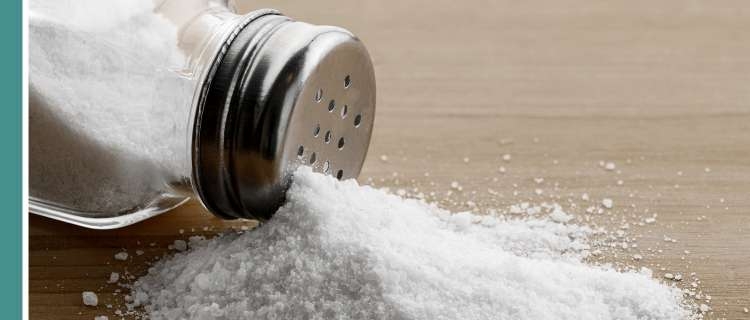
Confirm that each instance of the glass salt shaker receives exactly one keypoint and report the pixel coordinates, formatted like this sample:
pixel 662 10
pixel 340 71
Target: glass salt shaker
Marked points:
pixel 135 106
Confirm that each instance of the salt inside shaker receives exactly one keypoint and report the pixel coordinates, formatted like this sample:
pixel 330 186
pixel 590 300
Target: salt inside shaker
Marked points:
pixel 135 106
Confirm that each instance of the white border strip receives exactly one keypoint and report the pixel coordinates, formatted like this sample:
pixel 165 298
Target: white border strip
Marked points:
pixel 24 160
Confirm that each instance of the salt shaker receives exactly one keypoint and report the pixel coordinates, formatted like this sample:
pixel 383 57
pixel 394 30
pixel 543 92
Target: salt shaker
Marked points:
pixel 136 106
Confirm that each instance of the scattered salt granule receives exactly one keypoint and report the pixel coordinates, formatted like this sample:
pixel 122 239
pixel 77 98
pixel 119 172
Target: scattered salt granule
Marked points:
pixel 122 256
pixel 101 318
pixel 704 308
pixel 610 166
pixel 383 158
pixel 89 298
pixel 506 157
pixel 180 245
pixel 113 277
pixel 456 186
pixel 340 250
pixel 607 203
pixel 558 215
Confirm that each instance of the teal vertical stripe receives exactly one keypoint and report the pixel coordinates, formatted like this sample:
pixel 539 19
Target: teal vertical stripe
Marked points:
pixel 10 161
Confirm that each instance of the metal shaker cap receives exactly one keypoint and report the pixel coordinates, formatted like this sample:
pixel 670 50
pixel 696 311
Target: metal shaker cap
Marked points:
pixel 284 94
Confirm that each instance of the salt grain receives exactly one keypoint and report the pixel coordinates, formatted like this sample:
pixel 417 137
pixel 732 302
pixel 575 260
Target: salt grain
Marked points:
pixel 179 245
pixel 558 215
pixel 704 308
pixel 122 256
pixel 339 250
pixel 113 277
pixel 607 203
pixel 89 298
pixel 101 318
pixel 609 166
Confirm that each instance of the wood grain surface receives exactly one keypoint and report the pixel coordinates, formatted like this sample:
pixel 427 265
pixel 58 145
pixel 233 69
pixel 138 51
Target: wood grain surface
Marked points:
pixel 660 88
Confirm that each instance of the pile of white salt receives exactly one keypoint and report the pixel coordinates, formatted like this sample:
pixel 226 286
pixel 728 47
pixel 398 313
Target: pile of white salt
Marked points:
pixel 344 251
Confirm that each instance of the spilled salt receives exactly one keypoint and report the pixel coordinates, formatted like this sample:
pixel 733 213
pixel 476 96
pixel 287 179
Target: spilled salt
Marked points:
pixel 340 250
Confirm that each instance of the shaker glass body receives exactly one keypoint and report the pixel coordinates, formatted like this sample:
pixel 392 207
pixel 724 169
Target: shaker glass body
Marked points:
pixel 113 87
pixel 137 105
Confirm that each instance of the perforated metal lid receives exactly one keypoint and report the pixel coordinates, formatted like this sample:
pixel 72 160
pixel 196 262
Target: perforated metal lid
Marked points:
pixel 284 94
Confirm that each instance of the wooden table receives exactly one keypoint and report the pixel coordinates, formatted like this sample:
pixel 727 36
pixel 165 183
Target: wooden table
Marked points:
pixel 662 89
